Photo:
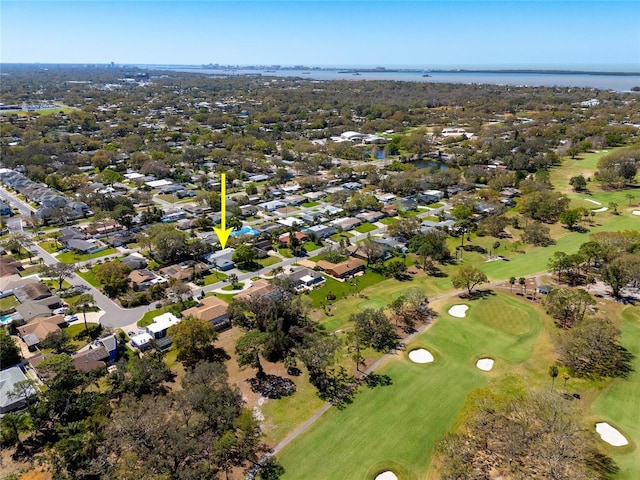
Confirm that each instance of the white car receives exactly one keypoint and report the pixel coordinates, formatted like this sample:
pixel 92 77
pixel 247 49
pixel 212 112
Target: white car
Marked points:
pixel 70 318
pixel 61 310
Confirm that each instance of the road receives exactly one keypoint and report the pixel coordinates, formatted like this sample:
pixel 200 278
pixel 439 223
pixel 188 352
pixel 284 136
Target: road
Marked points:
pixel 114 315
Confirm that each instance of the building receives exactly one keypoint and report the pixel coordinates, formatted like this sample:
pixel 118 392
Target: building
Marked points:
pixel 321 231
pixel 211 309
pixel 184 271
pixel 8 380
pixel 142 279
pixel 221 260
pixel 303 278
pixel 38 328
pixel 342 270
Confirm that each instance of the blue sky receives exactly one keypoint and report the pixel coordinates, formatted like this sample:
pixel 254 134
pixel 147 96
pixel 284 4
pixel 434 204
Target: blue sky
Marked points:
pixel 425 33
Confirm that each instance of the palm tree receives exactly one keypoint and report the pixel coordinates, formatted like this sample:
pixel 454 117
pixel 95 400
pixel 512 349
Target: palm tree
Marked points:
pixel 85 301
pixel 512 282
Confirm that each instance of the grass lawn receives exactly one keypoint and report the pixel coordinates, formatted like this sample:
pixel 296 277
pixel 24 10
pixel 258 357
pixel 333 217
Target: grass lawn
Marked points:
pixel 49 246
pixel 310 204
pixel 32 270
pixel 8 303
pixel 285 252
pixel 90 277
pixel 410 213
pixel 618 404
pixel 336 237
pixel 365 227
pixel 395 427
pixel 53 285
pixel 270 260
pixel 72 257
pixel 388 220
pixel 214 277
pixel 309 247
pixel 342 289
pixel 231 288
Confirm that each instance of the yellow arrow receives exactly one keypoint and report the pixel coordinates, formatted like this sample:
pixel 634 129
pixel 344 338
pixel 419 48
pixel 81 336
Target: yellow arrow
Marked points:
pixel 223 232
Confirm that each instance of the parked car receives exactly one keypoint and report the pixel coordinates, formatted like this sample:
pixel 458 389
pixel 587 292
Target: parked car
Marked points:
pixel 70 318
pixel 61 310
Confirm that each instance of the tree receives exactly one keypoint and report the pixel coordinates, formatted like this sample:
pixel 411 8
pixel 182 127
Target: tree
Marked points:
pixel 569 306
pixel 579 183
pixel 113 276
pixel 318 352
pixel 396 268
pixel 553 373
pixel 512 282
pixel 468 277
pixel 233 280
pixel 371 249
pixel 617 275
pixel 83 302
pixel 537 234
pixel 248 348
pixel 373 326
pixel 405 228
pixel 180 289
pixel 523 284
pixel 591 348
pixel 431 245
pixel 12 425
pixel 9 351
pixel 244 255
pixel 171 245
pixel 193 339
pixel 57 341
pixel 571 217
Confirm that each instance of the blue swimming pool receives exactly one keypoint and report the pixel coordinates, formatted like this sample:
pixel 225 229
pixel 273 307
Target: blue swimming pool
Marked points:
pixel 6 319
pixel 244 231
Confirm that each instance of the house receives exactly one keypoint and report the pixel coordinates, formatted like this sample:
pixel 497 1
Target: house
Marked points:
pixel 389 210
pixel 103 228
pixel 320 231
pixel 221 260
pixel 162 323
pixel 303 278
pixel 134 261
pixel 342 270
pixel 248 210
pixel 32 291
pixel 110 344
pixel 211 309
pixel 346 223
pixel 352 186
pixel 142 279
pixel 370 216
pixel 285 239
pixel 184 271
pixel 38 328
pixel 141 341
pixel 9 378
pixel 257 289
pixel 31 309
pixel 391 244
pixel 86 246
pixel 9 266
pixel 90 359
pixel 272 205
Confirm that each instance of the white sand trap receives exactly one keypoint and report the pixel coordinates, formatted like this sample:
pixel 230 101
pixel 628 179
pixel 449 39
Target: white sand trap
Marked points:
pixel 420 355
pixel 602 209
pixel 388 475
pixel 485 364
pixel 611 435
pixel 636 212
pixel 458 311
pixel 595 202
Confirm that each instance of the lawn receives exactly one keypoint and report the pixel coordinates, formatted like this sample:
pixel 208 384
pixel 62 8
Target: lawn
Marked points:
pixel 309 247
pixel 32 270
pixel 336 237
pixel 388 220
pixel 90 277
pixel 49 246
pixel 72 257
pixel 619 405
pixel 343 289
pixel 214 277
pixel 310 204
pixel 397 426
pixel 8 303
pixel 267 261
pixel 365 228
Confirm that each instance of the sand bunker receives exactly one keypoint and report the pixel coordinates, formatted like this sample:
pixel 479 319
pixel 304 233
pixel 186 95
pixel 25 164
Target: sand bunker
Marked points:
pixel 611 435
pixel 603 209
pixel 485 364
pixel 636 212
pixel 459 311
pixel 420 355
pixel 595 202
pixel 388 475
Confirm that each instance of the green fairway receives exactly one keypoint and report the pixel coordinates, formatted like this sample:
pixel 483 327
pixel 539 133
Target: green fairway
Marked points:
pixel 397 426
pixel 619 404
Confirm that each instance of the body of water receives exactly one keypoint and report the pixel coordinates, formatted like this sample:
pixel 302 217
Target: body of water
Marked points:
pixel 620 83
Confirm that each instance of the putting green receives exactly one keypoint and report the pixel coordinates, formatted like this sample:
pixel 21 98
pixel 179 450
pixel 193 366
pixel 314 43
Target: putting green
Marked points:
pixel 398 425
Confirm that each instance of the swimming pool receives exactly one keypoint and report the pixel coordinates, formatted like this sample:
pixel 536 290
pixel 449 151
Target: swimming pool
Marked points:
pixel 244 231
pixel 6 319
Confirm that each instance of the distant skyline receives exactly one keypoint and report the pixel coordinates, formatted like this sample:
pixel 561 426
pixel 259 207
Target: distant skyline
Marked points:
pixel 426 34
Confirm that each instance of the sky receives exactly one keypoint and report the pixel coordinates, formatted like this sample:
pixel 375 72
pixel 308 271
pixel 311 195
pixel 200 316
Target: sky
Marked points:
pixel 425 34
